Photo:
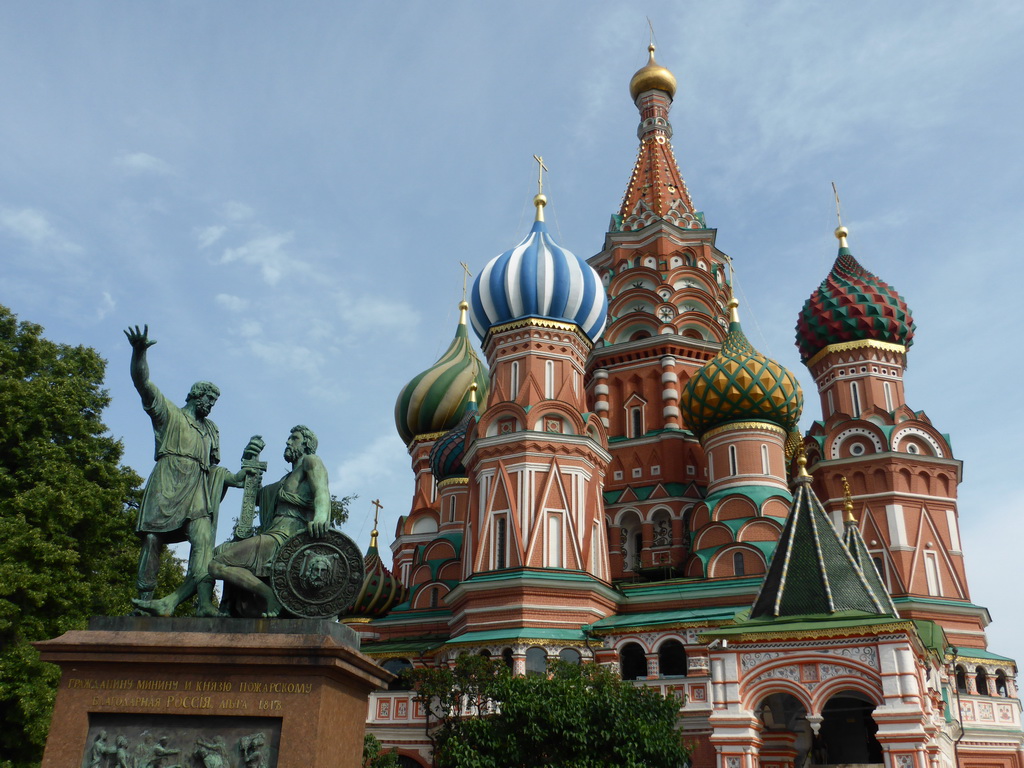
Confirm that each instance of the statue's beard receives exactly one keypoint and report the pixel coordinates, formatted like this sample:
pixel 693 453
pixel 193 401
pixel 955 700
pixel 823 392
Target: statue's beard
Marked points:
pixel 292 455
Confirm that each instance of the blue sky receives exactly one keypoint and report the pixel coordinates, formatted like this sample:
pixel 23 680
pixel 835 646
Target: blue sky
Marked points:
pixel 284 193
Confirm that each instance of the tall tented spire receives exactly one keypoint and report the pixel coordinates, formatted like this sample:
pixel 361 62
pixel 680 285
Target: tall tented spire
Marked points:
pixel 812 572
pixel 656 188
pixel 859 551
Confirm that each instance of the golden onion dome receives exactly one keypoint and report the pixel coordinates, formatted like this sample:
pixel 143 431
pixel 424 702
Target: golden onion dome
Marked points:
pixel 652 77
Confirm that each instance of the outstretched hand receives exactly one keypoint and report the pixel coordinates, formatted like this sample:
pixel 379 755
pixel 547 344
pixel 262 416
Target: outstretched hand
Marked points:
pixel 139 339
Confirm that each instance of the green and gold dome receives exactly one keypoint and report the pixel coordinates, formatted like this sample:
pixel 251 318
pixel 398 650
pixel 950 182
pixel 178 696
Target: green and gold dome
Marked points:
pixel 740 385
pixel 436 400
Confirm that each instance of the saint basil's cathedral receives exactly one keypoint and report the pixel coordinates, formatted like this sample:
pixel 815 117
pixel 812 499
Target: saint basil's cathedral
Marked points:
pixel 621 480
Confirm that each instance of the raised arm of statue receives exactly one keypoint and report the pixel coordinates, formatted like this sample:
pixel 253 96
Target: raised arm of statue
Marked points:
pixel 140 341
pixel 316 476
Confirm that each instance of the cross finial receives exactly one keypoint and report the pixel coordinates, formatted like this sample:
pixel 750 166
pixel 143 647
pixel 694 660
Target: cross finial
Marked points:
pixel 540 173
pixel 465 277
pixel 376 512
pixel 649 24
pixel 539 200
pixel 841 231
pixel 847 501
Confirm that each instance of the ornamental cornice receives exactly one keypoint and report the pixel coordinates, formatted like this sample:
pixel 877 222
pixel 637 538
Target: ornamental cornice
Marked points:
pixel 539 322
pixel 765 426
pixel 817 634
pixel 448 481
pixel 847 346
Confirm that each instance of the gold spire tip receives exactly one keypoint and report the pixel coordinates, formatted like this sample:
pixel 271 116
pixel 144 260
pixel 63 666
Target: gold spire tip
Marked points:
pixel 734 314
pixel 472 392
pixel 847 502
pixel 841 235
pixel 463 308
pixel 539 199
pixel 801 462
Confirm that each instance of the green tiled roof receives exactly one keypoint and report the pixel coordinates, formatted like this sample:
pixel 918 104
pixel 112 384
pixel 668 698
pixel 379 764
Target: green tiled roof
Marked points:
pixel 517 633
pixel 660 618
pixel 859 551
pixel 812 572
pixel 413 646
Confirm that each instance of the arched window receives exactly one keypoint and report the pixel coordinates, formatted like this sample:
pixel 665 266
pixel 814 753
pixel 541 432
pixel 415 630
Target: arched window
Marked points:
pixel 981 681
pixel 433 597
pixel 766 467
pixel 855 398
pixel 672 658
pixel 536 661
pixel 961 679
pixel 549 379
pixel 570 655
pixel 738 567
pixel 451 510
pixel 733 464
pixel 887 391
pixel 398 667
pixel 1001 689
pixel 513 379
pixel 632 662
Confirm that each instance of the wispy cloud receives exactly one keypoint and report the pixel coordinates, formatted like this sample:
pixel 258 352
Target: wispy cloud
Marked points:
pixel 268 252
pixel 143 163
pixel 34 227
pixel 231 303
pixel 236 211
pixel 295 358
pixel 207 236
pixel 107 305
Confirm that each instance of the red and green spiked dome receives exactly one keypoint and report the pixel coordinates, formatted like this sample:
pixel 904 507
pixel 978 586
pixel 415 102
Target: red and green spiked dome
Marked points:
pixel 381 590
pixel 446 455
pixel 739 385
pixel 852 305
pixel 436 400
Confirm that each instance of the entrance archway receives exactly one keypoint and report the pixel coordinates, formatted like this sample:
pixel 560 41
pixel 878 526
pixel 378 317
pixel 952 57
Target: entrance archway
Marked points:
pixel 785 731
pixel 847 732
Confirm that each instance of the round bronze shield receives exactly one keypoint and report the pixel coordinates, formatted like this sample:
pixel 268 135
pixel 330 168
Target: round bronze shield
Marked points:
pixel 317 578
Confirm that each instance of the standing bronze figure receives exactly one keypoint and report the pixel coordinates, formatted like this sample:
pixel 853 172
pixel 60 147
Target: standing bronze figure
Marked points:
pixel 183 494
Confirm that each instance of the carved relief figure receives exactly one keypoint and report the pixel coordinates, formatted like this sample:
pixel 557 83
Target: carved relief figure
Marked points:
pixel 318 571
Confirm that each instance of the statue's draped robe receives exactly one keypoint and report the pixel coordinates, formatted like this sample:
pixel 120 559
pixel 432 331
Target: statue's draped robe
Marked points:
pixel 186 483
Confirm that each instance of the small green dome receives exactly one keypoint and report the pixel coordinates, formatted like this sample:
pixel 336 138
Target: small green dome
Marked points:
pixel 436 400
pixel 740 384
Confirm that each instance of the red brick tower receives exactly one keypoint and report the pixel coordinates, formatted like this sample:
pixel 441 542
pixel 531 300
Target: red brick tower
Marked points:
pixel 667 286
pixel 853 334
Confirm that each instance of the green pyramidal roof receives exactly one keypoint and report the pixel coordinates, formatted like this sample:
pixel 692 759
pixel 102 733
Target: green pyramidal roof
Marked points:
pixel 859 551
pixel 812 572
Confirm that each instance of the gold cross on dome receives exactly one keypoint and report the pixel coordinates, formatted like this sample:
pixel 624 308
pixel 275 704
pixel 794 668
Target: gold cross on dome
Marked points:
pixel 839 214
pixel 540 173
pixel 466 276
pixel 376 512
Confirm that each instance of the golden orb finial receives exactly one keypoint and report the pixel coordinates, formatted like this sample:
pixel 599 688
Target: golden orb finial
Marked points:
pixel 734 314
pixel 652 77
pixel 463 308
pixel 540 201
pixel 841 235
pixel 472 392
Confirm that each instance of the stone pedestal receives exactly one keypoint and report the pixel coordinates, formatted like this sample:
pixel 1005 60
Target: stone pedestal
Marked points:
pixel 238 693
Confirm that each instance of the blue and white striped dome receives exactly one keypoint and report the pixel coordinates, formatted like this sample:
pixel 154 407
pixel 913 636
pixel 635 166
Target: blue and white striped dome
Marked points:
pixel 539 278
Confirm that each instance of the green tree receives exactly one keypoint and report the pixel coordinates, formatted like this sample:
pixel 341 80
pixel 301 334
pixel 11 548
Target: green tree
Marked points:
pixel 67 513
pixel 578 716
pixel 375 756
